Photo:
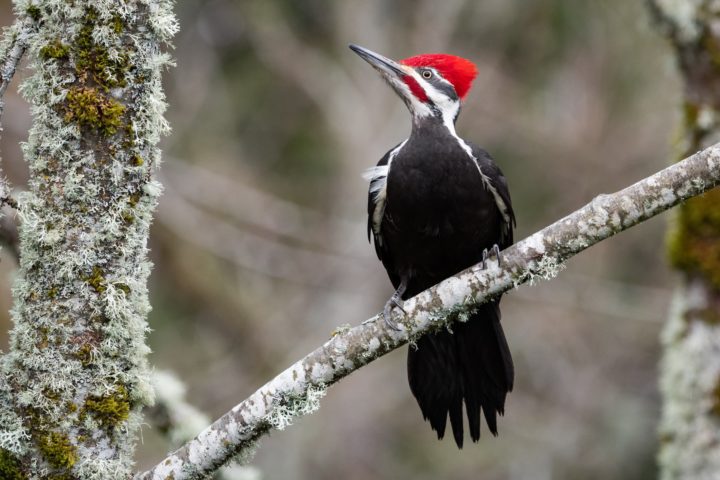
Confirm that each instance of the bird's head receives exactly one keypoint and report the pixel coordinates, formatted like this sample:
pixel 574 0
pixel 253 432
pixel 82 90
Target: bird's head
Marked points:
pixel 431 85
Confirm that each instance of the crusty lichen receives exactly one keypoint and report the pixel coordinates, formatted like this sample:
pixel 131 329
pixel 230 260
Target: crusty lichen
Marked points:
pixel 690 367
pixel 295 405
pixel 690 383
pixel 77 355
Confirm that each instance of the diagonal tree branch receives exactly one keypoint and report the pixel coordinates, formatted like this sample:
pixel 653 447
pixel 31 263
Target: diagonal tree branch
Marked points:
pixel 179 421
pixel 297 390
pixel 13 47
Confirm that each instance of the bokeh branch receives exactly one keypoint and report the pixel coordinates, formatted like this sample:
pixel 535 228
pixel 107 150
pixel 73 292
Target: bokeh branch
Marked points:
pixel 297 390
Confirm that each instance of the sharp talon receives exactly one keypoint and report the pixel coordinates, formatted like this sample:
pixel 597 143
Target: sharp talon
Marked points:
pixel 395 301
pixel 387 315
pixel 484 258
pixel 496 251
pixel 398 302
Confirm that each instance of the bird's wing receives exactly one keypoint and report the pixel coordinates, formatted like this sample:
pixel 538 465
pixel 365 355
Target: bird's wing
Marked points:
pixel 377 198
pixel 496 182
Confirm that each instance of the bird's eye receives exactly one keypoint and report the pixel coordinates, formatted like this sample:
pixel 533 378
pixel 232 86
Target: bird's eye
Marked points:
pixel 427 73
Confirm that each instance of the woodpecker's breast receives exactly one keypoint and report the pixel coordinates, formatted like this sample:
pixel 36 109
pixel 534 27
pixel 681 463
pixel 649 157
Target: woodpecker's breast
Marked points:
pixel 439 214
pixel 434 188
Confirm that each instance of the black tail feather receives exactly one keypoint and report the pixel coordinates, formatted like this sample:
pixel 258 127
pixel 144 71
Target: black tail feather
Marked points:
pixel 471 366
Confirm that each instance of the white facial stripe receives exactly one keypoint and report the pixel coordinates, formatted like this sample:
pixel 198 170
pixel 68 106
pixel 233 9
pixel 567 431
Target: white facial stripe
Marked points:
pixel 417 108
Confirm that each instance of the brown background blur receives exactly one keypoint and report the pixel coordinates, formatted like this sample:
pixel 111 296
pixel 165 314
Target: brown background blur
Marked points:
pixel 259 242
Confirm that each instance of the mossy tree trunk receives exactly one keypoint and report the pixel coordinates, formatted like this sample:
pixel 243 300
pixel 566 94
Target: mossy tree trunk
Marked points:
pixel 690 369
pixel 76 376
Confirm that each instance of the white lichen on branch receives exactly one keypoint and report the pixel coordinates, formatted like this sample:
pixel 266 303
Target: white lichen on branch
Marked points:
pixel 349 349
pixel 179 421
pixel 76 371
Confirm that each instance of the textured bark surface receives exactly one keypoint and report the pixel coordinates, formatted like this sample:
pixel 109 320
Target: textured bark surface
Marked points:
pixel 690 369
pixel 298 390
pixel 76 376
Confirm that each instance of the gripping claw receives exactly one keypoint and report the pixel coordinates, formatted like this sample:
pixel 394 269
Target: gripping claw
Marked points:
pixel 395 301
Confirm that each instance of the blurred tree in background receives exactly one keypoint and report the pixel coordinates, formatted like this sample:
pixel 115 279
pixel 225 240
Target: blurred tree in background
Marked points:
pixel 261 231
pixel 690 368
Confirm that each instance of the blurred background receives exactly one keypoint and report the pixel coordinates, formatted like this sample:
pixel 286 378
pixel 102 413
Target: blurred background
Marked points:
pixel 260 247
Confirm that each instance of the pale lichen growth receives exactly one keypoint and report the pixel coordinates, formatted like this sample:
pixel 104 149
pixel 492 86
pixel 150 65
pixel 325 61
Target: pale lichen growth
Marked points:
pixel 684 16
pixel 295 405
pixel 690 383
pixel 183 420
pixel 77 367
pixel 241 472
pixel 546 269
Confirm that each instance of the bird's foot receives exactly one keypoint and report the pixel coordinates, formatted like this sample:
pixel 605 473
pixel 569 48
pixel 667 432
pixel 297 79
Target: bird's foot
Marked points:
pixel 494 251
pixel 395 301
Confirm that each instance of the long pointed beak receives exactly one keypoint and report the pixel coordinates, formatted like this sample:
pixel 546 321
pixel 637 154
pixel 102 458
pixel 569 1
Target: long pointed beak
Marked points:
pixel 388 68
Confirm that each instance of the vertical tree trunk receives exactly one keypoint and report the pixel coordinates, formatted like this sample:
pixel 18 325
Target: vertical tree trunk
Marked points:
pixel 690 368
pixel 76 375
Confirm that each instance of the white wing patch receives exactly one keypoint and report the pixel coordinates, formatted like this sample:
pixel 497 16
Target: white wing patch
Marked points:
pixel 378 189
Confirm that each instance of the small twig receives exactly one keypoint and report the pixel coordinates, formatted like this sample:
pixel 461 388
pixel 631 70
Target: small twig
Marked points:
pixel 9 235
pixel 297 389
pixel 14 44
pixel 12 48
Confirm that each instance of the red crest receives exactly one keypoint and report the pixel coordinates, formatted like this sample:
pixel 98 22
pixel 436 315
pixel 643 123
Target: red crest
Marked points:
pixel 456 70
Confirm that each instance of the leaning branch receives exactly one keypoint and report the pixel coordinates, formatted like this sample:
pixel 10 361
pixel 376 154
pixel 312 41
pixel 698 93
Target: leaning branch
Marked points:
pixel 12 49
pixel 297 390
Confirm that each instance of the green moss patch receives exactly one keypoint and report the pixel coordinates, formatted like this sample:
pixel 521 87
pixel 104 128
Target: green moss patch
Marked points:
pixel 94 60
pixel 55 49
pixel 91 109
pixel 694 241
pixel 109 410
pixel 33 12
pixel 97 280
pixel 57 450
pixel 10 466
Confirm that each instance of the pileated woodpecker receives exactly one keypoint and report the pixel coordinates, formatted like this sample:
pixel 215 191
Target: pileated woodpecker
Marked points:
pixel 437 205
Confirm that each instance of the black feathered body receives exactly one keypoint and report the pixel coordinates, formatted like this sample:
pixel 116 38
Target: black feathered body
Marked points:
pixel 441 206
